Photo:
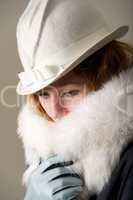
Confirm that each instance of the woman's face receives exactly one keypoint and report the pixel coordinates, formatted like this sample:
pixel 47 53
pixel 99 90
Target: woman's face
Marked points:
pixel 59 98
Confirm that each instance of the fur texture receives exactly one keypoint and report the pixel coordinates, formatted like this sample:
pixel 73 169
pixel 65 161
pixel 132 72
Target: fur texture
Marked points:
pixel 92 135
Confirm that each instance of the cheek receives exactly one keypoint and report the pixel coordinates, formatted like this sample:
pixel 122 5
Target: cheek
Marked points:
pixel 43 104
pixel 69 104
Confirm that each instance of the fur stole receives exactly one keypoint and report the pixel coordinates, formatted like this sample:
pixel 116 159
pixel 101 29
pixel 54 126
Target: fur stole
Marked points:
pixel 92 135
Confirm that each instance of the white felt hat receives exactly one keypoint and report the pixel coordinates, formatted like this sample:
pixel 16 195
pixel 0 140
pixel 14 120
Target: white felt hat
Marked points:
pixel 54 36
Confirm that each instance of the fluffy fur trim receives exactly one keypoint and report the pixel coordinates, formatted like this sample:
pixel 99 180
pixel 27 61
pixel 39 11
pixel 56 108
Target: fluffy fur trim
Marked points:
pixel 92 135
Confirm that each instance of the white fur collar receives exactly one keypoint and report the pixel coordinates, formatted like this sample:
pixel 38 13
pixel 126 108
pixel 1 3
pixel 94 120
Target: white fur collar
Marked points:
pixel 92 135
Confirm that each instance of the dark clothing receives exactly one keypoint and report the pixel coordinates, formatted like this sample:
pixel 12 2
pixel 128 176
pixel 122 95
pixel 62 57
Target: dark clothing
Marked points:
pixel 120 185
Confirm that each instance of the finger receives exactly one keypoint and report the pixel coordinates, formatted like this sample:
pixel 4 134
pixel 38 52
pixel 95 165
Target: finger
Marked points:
pixel 65 182
pixel 51 163
pixel 58 172
pixel 68 193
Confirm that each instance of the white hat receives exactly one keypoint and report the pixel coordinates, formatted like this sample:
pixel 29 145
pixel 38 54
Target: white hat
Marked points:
pixel 54 36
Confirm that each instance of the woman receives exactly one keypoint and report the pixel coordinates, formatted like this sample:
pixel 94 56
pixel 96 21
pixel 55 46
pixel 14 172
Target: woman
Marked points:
pixel 77 123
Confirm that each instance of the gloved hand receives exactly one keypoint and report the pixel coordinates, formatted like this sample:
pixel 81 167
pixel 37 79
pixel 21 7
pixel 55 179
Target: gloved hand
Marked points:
pixel 54 180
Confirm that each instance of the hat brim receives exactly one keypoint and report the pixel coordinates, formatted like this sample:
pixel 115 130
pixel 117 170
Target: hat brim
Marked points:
pixel 80 51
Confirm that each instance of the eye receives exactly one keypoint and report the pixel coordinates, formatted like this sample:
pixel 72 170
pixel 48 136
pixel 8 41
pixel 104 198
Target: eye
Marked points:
pixel 43 94
pixel 70 93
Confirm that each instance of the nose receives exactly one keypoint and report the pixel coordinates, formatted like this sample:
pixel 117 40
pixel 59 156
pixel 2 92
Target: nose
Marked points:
pixel 57 108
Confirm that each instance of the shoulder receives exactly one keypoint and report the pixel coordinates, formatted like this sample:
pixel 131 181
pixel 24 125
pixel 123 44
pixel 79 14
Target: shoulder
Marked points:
pixel 123 174
pixel 120 185
pixel 126 163
pixel 126 171
pixel 127 155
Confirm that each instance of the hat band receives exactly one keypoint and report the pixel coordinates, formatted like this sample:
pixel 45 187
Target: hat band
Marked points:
pixel 44 73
